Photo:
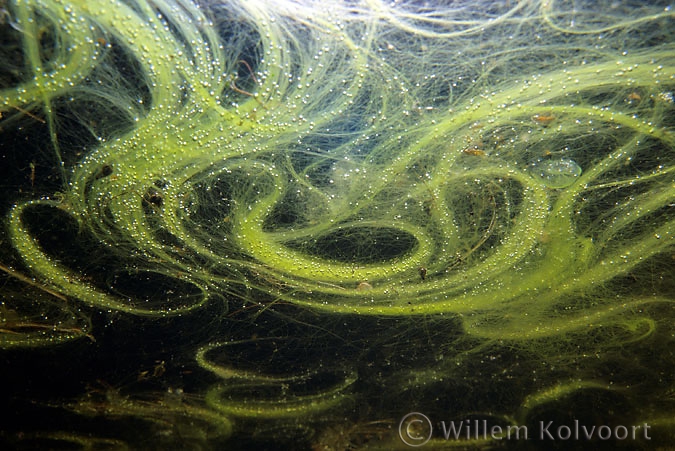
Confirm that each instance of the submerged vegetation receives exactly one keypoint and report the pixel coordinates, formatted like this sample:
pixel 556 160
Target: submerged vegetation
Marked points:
pixel 251 222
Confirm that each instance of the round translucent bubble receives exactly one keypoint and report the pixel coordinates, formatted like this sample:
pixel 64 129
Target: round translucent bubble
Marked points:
pixel 556 173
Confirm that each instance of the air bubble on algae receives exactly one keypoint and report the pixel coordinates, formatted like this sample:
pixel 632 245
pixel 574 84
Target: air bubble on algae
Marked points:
pixel 559 173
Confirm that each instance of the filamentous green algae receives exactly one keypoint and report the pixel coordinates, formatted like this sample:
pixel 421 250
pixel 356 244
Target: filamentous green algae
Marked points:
pixel 249 223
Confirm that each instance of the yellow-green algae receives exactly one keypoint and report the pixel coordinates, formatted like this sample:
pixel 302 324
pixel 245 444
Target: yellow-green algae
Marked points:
pixel 511 169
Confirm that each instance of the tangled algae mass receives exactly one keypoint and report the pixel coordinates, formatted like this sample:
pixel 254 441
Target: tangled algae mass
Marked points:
pixel 289 223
